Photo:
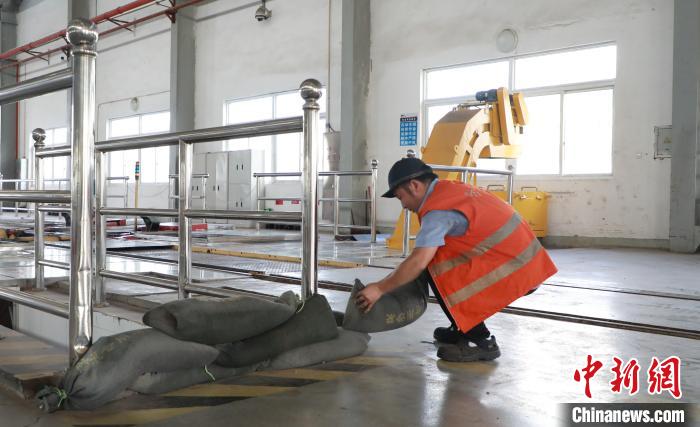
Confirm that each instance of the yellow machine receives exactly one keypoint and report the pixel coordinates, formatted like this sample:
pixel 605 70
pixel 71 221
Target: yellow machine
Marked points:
pixel 486 128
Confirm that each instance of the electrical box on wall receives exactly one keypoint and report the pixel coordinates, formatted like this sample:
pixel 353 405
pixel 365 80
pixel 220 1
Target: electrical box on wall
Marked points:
pixel 662 142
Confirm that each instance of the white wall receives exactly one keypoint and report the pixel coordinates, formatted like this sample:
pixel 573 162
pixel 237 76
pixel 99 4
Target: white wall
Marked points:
pixel 411 35
pixel 238 57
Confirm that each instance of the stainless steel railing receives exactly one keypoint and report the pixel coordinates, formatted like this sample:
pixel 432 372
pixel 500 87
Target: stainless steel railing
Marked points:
pixel 82 38
pixel 336 199
pixel 464 175
pixel 84 269
pixel 184 212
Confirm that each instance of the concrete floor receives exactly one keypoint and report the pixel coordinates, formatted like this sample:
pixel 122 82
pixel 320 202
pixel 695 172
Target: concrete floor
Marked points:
pixel 523 387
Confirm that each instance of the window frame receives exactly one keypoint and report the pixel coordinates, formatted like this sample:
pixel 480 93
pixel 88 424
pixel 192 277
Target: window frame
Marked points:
pixel 561 90
pixel 140 119
pixel 273 96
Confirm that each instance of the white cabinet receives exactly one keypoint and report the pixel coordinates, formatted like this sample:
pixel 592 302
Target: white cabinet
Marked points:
pixel 217 184
pixel 199 166
pixel 230 185
pixel 242 186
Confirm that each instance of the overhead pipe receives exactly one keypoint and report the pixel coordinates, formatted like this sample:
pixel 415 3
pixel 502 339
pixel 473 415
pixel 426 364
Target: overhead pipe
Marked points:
pixel 59 34
pixel 165 12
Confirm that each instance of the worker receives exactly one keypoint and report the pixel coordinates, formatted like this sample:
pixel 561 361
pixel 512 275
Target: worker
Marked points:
pixel 479 254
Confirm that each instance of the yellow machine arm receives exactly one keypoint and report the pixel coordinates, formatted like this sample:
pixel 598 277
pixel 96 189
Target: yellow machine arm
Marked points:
pixel 486 128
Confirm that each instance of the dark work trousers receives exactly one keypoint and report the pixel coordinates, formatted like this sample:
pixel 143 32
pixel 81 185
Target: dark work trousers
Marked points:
pixel 477 333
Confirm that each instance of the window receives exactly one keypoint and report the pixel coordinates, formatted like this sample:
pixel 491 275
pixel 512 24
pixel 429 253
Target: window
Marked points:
pixel 155 162
pixel 55 169
pixel 569 96
pixel 283 153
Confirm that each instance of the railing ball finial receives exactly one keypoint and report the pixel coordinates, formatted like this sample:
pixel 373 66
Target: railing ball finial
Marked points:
pixel 82 33
pixel 310 90
pixel 410 153
pixel 39 135
pixel 374 163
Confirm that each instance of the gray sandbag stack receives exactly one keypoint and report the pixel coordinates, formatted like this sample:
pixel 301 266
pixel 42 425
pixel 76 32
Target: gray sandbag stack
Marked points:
pixel 314 322
pixel 346 344
pixel 217 321
pixel 114 362
pixel 394 310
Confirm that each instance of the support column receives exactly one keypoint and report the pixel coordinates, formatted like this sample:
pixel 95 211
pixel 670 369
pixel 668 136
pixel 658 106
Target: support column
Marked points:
pixel 684 234
pixel 8 112
pixel 82 37
pixel 354 86
pixel 182 59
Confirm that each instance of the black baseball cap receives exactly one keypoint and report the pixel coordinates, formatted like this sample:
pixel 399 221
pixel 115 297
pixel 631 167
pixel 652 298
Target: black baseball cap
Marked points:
pixel 404 170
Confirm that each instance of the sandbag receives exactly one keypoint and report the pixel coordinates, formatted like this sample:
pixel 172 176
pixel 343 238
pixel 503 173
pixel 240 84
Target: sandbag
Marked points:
pixel 314 322
pixel 114 362
pixel 347 344
pixel 164 382
pixel 394 310
pixel 224 320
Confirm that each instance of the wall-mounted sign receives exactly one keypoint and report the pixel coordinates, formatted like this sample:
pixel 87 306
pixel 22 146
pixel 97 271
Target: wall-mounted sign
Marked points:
pixel 408 130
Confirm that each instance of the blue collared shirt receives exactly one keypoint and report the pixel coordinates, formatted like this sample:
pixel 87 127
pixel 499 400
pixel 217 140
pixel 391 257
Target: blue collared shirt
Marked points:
pixel 437 224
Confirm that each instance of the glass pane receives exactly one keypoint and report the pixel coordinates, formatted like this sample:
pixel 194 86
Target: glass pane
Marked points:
pixel 323 150
pixel 162 164
pixel 47 141
pixel 288 153
pixel 541 139
pixel 494 164
pixel 60 167
pixel 155 123
pixel 588 132
pixel 48 170
pixel 237 144
pixel 249 110
pixel 148 164
pixel 435 113
pixel 60 136
pixel 116 163
pixel 582 65
pixel 466 81
pixel 263 143
pixel 288 105
pixel 128 126
pixel 130 159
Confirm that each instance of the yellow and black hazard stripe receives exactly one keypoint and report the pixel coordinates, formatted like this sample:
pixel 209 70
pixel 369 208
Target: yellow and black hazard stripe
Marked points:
pixel 142 409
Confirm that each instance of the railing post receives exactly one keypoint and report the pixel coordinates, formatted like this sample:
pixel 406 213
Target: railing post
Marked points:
pixel 310 91
pixel 257 200
pixel 100 229
pixel 510 186
pixel 373 203
pixel 406 232
pixel 336 203
pixel 82 36
pixel 39 135
pixel 183 204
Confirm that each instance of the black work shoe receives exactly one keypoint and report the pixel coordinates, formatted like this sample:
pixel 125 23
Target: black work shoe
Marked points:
pixel 447 335
pixel 469 351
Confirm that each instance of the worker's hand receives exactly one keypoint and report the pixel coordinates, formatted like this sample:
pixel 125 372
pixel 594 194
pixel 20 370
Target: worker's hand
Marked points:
pixel 366 298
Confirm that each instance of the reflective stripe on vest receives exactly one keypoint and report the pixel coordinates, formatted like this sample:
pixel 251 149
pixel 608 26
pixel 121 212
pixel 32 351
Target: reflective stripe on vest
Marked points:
pixel 497 237
pixel 496 275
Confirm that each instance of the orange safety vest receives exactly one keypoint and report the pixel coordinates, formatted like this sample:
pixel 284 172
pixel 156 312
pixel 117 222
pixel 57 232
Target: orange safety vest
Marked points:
pixel 495 262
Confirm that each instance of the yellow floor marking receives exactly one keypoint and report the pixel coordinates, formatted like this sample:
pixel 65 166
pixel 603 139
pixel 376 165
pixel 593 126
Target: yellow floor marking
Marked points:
pixel 473 367
pixel 373 360
pixel 32 375
pixel 37 358
pixel 271 257
pixel 137 416
pixel 305 374
pixel 228 390
pixel 23 345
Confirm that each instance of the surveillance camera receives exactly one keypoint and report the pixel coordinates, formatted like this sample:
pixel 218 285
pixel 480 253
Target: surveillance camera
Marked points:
pixel 263 13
